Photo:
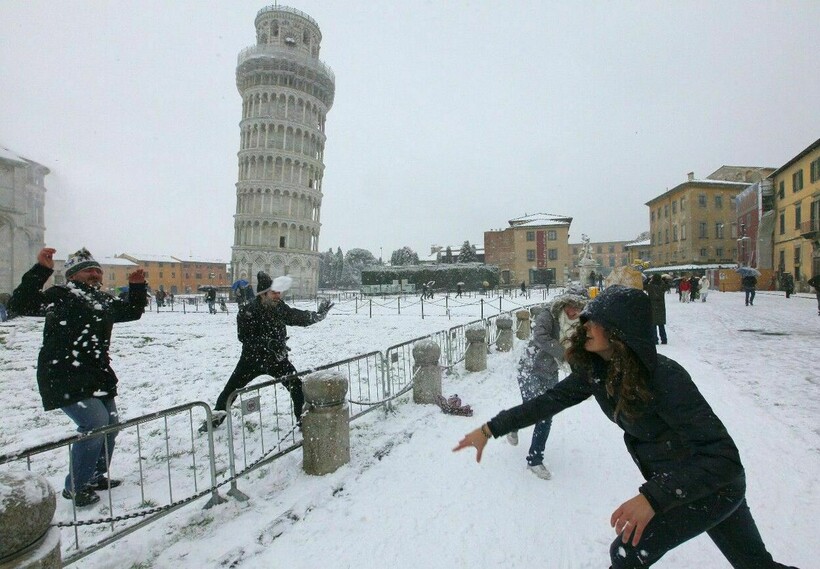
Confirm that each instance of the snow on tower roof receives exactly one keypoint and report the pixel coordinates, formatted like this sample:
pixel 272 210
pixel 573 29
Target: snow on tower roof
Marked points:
pixel 7 154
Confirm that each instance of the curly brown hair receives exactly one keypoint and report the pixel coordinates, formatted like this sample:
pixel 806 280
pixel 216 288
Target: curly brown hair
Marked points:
pixel 627 378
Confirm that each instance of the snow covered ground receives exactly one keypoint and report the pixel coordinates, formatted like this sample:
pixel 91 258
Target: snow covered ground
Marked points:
pixel 405 500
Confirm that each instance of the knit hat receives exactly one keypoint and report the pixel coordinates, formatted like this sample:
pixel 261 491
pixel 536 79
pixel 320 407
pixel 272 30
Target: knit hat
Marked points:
pixel 80 260
pixel 279 284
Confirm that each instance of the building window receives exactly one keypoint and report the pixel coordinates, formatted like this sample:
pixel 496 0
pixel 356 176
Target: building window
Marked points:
pixel 702 230
pixel 797 180
pixel 666 210
pixel 674 233
pixel 782 223
pixel 531 254
pixel 704 253
pixel 798 214
pixel 611 262
pixel 674 207
pixel 612 248
pixel 173 275
pixel 719 252
pixel 702 200
pixel 718 202
pixel 682 203
pixel 651 215
pixel 781 189
pixel 815 171
pixel 282 242
pixel 666 235
pixel 552 235
pixel 198 275
pixel 683 232
pixel 718 230
pixel 160 274
pixel 530 235
pixel 599 249
pixel 553 254
pixel 733 231
pixel 782 265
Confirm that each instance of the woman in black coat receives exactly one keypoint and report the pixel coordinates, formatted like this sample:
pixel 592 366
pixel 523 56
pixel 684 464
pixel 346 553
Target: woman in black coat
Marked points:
pixel 695 481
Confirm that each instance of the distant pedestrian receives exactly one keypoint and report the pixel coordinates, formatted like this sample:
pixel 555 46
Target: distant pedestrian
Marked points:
pixel 749 282
pixel 74 367
pixel 523 288
pixel 210 299
pixel 4 301
pixel 458 290
pixel 703 288
pixel 592 278
pixel 656 289
pixel 815 282
pixel 601 281
pixel 787 282
pixel 261 326
pixel 694 284
pixel 685 289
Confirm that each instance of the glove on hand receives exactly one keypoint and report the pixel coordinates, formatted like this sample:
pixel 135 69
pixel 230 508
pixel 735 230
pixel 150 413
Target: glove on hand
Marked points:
pixel 324 307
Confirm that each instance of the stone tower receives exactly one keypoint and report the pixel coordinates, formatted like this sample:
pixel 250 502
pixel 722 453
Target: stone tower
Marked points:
pixel 286 94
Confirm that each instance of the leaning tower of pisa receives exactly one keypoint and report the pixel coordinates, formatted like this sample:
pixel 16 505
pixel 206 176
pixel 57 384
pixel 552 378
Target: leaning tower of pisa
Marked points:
pixel 286 94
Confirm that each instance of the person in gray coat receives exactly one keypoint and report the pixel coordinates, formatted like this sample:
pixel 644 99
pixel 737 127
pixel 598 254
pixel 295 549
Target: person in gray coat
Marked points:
pixel 539 365
pixel 656 289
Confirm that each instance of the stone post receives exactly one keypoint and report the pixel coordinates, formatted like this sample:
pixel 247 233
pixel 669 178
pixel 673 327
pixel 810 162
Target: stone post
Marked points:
pixel 475 357
pixel 427 372
pixel 504 341
pixel 27 506
pixel 523 331
pixel 325 427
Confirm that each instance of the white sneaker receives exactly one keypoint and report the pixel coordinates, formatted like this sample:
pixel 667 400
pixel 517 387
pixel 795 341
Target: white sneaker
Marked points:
pixel 540 471
pixel 512 438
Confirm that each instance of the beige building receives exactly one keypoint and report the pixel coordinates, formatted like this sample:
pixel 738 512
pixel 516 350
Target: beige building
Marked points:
pixel 180 276
pixel 534 249
pixel 115 272
pixel 639 252
pixel 22 224
pixel 796 243
pixel 696 222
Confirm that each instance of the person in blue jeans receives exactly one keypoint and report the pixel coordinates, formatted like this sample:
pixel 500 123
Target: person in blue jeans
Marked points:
pixel 539 365
pixel 74 368
pixel 694 480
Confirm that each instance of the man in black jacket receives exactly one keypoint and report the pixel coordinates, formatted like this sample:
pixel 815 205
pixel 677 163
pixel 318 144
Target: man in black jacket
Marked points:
pixel 261 327
pixel 74 369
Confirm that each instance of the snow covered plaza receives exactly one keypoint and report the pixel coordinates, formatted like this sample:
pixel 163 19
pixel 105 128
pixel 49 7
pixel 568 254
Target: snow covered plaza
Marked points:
pixel 405 500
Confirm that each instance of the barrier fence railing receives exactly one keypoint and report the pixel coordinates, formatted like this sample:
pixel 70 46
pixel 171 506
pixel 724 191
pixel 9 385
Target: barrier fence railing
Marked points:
pixel 261 427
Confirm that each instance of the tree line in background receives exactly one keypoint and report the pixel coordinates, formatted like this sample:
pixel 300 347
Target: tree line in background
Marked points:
pixel 344 270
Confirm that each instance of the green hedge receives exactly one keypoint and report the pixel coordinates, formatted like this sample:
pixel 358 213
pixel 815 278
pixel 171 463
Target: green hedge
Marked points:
pixel 473 275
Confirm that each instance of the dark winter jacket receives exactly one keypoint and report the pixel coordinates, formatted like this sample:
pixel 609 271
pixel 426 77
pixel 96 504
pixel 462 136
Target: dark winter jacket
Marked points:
pixel 263 333
pixel 681 447
pixel 815 282
pixel 656 289
pixel 749 282
pixel 74 363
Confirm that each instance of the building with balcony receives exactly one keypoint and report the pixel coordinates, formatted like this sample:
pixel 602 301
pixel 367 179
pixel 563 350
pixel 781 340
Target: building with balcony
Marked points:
pixel 286 94
pixel 22 223
pixel 696 223
pixel 534 249
pixel 796 242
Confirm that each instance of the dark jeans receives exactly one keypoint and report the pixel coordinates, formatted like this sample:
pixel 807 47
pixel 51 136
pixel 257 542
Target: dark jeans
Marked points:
pixel 750 295
pixel 725 516
pixel 661 333
pixel 246 371
pixel 90 457
pixel 818 301
pixel 539 441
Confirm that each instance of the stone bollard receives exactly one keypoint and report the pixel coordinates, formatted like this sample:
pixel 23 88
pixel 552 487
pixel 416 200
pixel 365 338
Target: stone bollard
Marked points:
pixel 325 427
pixel 504 341
pixel 426 371
pixel 27 540
pixel 475 358
pixel 523 331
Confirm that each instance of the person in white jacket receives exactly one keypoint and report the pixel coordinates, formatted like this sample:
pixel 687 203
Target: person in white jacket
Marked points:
pixel 703 286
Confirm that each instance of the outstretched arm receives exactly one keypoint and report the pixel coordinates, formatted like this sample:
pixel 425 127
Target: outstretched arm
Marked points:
pixel 28 299
pixel 477 438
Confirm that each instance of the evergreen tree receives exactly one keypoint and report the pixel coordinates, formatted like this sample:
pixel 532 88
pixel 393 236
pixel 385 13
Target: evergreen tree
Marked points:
pixel 448 256
pixel 467 253
pixel 404 256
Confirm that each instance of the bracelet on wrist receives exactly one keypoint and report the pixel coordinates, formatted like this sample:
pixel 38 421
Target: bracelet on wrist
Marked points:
pixel 485 430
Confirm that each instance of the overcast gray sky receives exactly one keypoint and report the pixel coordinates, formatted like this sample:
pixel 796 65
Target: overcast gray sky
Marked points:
pixel 450 118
